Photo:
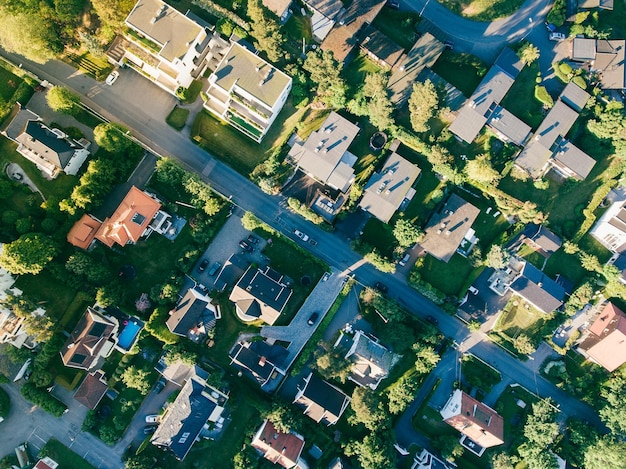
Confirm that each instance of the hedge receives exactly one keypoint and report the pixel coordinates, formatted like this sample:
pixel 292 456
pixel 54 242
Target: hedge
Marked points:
pixel 543 96
pixel 5 403
pixel 42 398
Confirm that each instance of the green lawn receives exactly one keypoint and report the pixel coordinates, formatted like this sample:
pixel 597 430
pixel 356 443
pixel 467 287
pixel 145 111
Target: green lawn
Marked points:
pixel 8 83
pixel 97 67
pixel 177 118
pixel 483 10
pixel 461 70
pixel 450 278
pixel 567 265
pixel 64 456
pixel 427 186
pixel 477 374
pixel 193 91
pixel 532 256
pixel 380 236
pixel 520 100
pixel 237 150
pixel 399 26
pixel 357 69
pixel 47 291
pixel 299 27
pixel 512 414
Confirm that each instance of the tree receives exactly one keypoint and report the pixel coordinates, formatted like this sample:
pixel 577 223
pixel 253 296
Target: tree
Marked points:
pixel 372 100
pixel 332 364
pixel 266 30
pixel 325 71
pixel 481 171
pixel 524 345
pixel 283 418
pixel 605 452
pixel 542 95
pixel 613 413
pixel 368 409
pixel 589 262
pixel 448 446
pixel 61 99
pixel 136 378
pixel 29 254
pixel 202 195
pixel 113 12
pixel 83 265
pixel 30 33
pixel 502 461
pixel 139 462
pixel 423 105
pixel 426 358
pixel 111 294
pixel 497 257
pixel 528 53
pixel 406 233
pixel 111 137
pixel 541 428
pixel 402 393
pixel 375 451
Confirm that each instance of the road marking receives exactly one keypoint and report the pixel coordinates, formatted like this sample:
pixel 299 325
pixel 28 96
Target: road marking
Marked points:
pixel 209 167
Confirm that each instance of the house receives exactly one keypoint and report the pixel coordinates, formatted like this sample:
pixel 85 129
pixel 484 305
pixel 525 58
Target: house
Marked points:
pixel 90 340
pixel 380 49
pixel 91 390
pixel 50 149
pixel 549 148
pixel 589 4
pixel 610 229
pixel 480 425
pixel 324 155
pixel 234 267
pixel 604 57
pixel 281 8
pixel 260 294
pixel 449 229
pixel 197 407
pixel 344 35
pixel 247 92
pixel 46 463
pixel 137 216
pixel 541 239
pixel 371 361
pixel 279 448
pixel 604 342
pixel 260 361
pixel 427 460
pixel 83 233
pixel 167 47
pixel 531 284
pixel 422 55
pixel 193 316
pixel 320 400
pixel 324 14
pixel 12 326
pixel 177 371
pixel 483 107
pixel 388 189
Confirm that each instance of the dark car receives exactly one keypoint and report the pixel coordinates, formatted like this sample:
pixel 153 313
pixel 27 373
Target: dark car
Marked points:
pixel 432 319
pixel 381 287
pixel 313 318
pixel 253 239
pixel 393 4
pixel 203 265
pixel 550 27
pixel 158 387
pixel 149 430
pixel 214 268
pixel 243 244
pixel 449 45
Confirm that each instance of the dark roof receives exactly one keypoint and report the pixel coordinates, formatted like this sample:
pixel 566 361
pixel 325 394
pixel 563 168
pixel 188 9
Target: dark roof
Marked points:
pixel 539 289
pixel 326 398
pixel 193 309
pixel 49 145
pixel 509 62
pixel 379 45
pixel 85 343
pixel 91 390
pixel 543 238
pixel 259 358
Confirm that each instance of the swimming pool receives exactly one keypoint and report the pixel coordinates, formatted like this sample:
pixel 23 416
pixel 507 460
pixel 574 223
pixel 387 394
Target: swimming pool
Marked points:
pixel 128 335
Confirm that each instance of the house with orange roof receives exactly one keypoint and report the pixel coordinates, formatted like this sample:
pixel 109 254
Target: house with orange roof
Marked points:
pixel 137 216
pixel 604 342
pixel 279 448
pixel 83 233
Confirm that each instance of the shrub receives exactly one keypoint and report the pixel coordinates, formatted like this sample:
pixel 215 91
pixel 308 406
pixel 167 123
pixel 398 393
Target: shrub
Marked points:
pixel 43 399
pixel 565 68
pixel 542 95
pixel 5 403
pixel 580 81
pixel 557 13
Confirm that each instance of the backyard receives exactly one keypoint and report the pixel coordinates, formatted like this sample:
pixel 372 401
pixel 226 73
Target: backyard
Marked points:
pixel 528 109
pixel 464 71
pixel 399 26
pixel 512 413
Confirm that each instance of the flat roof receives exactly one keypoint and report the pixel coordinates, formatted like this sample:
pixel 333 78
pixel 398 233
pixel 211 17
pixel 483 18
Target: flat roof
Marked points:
pixel 583 49
pixel 510 126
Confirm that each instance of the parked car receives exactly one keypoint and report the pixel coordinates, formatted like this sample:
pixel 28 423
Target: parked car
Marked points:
pixel 303 236
pixel 393 4
pixel 558 37
pixel 152 418
pixel 214 268
pixel 313 318
pixel 160 385
pixel 381 287
pixel 405 259
pixel 203 265
pixel 473 290
pixel 112 78
pixel 149 430
pixel 432 319
pixel 243 244
pixel 449 45
pixel 550 27
pixel 253 239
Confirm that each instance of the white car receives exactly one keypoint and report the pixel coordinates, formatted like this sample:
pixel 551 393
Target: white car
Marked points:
pixel 152 418
pixel 557 37
pixel 303 236
pixel 112 77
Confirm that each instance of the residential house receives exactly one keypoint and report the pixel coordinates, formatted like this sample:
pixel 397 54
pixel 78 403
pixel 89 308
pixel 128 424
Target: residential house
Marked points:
pixel 46 463
pixel 12 327
pixel 50 149
pixel 324 14
pixel 422 56
pixel 178 372
pixel 91 390
pixel 531 284
pixel 197 407
pixel 260 361
pixel 541 239
pixel 371 361
pixel 549 148
pixel 164 45
pixel 610 229
pixel 380 49
pixel 279 448
pixel 90 340
pixel 324 155
pixel 602 4
pixel 247 92
pixel 483 108
pixel 345 34
pixel 604 342
pixel 427 460
pixel 138 215
pixel 449 229
pixel 83 233
pixel 320 400
pixel 260 294
pixel 281 8
pixel 481 426
pixel 234 267
pixel 604 57
pixel 193 316
pixel 390 188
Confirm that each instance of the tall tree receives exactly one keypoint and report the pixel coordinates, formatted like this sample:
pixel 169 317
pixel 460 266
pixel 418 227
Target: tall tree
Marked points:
pixel 113 12
pixel 375 451
pixel 604 453
pixel 426 358
pixel 368 409
pixel 111 137
pixel 406 233
pixel 497 257
pixel 372 100
pixel 480 170
pixel 423 105
pixel 61 99
pixel 28 32
pixel 284 418
pixel 29 254
pixel 266 30
pixel 331 363
pixel 613 413
pixel 528 53
pixel 325 71
pixel 136 378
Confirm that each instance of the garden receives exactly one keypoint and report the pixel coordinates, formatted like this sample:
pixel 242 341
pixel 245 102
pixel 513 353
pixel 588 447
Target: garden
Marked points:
pixel 64 456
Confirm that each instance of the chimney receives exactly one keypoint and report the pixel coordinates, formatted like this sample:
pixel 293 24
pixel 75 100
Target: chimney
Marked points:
pixel 262 361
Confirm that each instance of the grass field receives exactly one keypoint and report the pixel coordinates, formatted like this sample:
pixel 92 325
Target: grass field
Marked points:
pixel 567 265
pixel 520 100
pixel 399 26
pixel 8 84
pixel 64 456
pixel 177 118
pixel 483 10
pixel 512 413
pixel 477 374
pixel 450 278
pixel 380 236
pixel 357 69
pixel 298 27
pixel 461 70
pixel 47 291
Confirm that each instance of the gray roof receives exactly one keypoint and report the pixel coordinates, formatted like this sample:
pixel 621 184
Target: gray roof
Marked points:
pixel 539 289
pixel 385 191
pixel 448 226
pixel 373 352
pixel 165 25
pixel 328 8
pixel 543 238
pixel 572 159
pixel 39 138
pixel 574 96
pixel 380 46
pixel 511 128
pixel 193 309
pixel 467 124
pixel 509 63
pixel 604 4
pixel 609 63
pixel 583 49
pixel 321 400
pixel 324 155
pixel 17 125
pixel 241 68
pixel 258 358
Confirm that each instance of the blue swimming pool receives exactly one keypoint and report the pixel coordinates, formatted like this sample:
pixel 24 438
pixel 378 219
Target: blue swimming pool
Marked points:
pixel 128 335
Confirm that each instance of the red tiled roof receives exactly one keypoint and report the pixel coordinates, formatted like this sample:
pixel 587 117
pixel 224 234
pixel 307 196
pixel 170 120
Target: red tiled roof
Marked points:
pixel 83 232
pixel 91 390
pixel 279 448
pixel 607 344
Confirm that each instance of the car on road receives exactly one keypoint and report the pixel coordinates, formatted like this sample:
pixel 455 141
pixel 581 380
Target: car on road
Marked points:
pixel 432 319
pixel 214 268
pixel 149 430
pixel 253 239
pixel 152 418
pixel 393 4
pixel 312 318
pixel 243 244
pixel 405 259
pixel 557 37
pixel 303 236
pixel 473 290
pixel 112 78
pixel 203 265
pixel 160 385
pixel 381 287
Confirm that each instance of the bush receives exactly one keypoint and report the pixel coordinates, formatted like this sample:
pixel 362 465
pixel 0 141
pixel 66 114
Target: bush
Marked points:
pixel 580 81
pixel 543 96
pixel 5 403
pixel 43 399
pixel 557 13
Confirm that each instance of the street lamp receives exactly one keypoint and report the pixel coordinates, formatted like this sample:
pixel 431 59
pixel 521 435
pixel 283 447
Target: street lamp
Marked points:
pixel 424 7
